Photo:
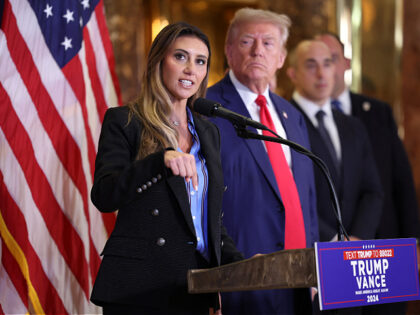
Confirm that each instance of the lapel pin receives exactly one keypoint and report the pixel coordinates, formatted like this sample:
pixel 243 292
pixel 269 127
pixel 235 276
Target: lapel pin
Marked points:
pixel 285 114
pixel 366 106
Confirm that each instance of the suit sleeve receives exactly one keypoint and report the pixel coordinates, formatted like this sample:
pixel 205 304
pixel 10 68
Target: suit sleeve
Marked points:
pixel 119 177
pixel 369 209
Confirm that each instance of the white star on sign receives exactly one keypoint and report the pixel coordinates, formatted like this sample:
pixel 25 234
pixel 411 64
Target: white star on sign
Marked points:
pixel 68 16
pixel 48 11
pixel 67 43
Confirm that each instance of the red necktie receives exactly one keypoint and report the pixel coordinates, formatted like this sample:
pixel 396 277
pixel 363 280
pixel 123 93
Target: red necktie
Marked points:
pixel 294 236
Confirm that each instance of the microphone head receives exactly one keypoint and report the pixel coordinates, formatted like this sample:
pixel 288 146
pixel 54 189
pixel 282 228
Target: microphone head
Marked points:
pixel 205 107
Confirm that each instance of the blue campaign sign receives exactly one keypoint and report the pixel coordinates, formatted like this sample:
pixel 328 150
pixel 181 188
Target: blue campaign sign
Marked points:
pixel 368 272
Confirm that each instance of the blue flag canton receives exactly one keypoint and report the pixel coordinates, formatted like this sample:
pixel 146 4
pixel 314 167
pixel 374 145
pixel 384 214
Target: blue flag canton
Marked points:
pixel 62 23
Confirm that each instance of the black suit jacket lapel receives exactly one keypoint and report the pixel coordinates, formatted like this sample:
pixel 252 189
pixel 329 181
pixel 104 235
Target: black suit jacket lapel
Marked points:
pixel 215 185
pixel 177 185
pixel 211 153
pixel 346 150
pixel 356 105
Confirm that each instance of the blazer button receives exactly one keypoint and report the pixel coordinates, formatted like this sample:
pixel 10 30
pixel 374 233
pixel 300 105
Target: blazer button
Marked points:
pixel 139 190
pixel 154 180
pixel 155 212
pixel 149 184
pixel 160 241
pixel 144 187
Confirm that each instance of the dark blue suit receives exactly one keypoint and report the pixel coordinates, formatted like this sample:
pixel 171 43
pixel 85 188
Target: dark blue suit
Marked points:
pixel 253 210
pixel 358 185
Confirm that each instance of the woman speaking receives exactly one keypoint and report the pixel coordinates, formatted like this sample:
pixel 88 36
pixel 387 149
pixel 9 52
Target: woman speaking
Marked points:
pixel 159 165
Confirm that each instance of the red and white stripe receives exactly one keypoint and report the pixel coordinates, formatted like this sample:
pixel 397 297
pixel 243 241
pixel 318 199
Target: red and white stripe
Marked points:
pixel 50 119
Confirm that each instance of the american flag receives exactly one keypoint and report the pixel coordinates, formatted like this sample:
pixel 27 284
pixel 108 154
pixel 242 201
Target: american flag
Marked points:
pixel 56 81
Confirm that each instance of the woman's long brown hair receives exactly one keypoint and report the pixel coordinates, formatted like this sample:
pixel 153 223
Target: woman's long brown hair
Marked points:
pixel 154 107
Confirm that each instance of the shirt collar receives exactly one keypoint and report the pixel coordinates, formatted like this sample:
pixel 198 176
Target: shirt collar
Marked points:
pixel 247 96
pixel 345 100
pixel 310 108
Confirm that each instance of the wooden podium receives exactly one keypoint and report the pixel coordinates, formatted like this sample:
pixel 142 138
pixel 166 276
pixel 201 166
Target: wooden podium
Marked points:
pixel 295 268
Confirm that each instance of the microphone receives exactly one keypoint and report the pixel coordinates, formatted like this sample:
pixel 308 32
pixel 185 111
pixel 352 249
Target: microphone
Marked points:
pixel 211 108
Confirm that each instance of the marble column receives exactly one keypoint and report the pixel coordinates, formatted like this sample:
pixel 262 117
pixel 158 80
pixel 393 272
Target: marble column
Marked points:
pixel 410 86
pixel 128 22
pixel 410 97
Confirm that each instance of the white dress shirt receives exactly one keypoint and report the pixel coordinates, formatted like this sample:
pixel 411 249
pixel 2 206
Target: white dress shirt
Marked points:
pixel 310 108
pixel 345 100
pixel 249 97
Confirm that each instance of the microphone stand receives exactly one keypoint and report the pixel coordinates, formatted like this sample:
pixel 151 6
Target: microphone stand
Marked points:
pixel 243 132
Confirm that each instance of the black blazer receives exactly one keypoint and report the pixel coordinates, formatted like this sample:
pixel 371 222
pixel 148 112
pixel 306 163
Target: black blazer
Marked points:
pixel 358 186
pixel 400 216
pixel 153 243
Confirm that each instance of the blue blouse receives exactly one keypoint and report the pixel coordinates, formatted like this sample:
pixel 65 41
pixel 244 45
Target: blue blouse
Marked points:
pixel 198 199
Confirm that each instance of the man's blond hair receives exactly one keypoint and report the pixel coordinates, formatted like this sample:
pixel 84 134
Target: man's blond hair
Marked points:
pixel 249 15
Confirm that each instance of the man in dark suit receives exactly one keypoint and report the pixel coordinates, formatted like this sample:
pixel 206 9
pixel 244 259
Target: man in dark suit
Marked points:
pixel 258 212
pixel 340 141
pixel 400 216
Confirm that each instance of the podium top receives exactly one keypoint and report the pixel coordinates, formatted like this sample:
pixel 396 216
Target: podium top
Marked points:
pixel 295 268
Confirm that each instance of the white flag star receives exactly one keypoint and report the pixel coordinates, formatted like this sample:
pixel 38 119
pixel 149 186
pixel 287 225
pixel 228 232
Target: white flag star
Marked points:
pixel 67 43
pixel 48 11
pixel 69 16
pixel 85 4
